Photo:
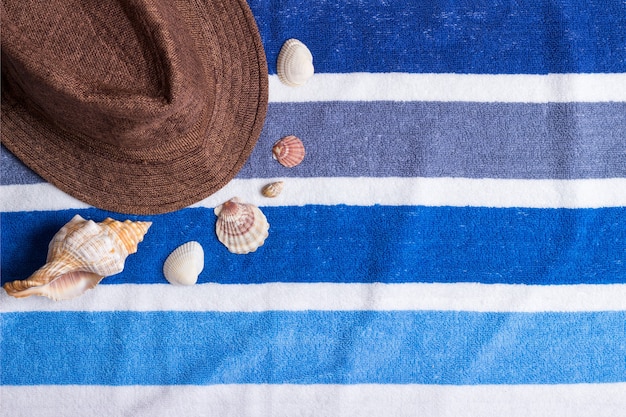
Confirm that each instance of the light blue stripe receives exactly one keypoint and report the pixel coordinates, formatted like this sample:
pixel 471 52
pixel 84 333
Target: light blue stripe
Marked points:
pixel 364 244
pixel 470 140
pixel 464 36
pixel 311 347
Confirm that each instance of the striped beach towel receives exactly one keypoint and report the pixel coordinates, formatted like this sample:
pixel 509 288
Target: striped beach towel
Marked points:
pixel 453 244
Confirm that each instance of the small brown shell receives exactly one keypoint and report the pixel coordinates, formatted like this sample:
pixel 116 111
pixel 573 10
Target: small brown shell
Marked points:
pixel 289 151
pixel 272 190
pixel 241 227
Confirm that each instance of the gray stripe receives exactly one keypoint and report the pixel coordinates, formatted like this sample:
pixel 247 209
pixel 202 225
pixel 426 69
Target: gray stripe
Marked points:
pixel 13 171
pixel 471 140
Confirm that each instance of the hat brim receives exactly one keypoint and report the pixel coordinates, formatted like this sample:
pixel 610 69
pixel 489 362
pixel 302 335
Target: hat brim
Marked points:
pixel 156 180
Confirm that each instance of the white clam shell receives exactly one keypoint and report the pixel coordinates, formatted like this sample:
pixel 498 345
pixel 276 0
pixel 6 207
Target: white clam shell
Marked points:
pixel 184 264
pixel 295 63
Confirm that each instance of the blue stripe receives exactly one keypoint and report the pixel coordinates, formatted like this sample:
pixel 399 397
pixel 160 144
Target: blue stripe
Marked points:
pixel 471 140
pixel 310 347
pixel 365 244
pixel 466 36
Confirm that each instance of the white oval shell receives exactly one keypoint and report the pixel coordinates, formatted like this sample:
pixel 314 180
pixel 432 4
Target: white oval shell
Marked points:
pixel 295 63
pixel 184 264
pixel 241 227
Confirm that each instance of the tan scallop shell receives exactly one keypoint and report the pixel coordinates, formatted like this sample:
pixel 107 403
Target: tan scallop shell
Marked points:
pixel 184 264
pixel 273 189
pixel 80 254
pixel 295 63
pixel 289 151
pixel 241 227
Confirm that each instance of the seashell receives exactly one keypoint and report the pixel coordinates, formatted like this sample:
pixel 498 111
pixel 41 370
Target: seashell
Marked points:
pixel 80 255
pixel 295 63
pixel 273 189
pixel 241 227
pixel 289 151
pixel 184 264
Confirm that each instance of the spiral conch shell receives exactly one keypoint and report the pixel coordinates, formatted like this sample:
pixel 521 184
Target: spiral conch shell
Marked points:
pixel 80 254
pixel 241 227
pixel 295 63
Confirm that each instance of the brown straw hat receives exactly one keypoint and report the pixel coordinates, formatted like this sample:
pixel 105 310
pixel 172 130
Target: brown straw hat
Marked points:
pixel 135 106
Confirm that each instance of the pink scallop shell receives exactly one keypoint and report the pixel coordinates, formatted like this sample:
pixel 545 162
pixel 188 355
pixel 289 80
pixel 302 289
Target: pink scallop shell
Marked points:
pixel 241 227
pixel 289 151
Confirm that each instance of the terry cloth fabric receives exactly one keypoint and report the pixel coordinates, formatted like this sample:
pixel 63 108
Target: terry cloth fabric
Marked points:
pixel 453 244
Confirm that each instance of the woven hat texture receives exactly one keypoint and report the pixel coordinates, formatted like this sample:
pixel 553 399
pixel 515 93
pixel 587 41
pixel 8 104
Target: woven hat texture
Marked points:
pixel 139 107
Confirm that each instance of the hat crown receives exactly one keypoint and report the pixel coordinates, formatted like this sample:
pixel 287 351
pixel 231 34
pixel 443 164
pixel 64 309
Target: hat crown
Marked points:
pixel 112 71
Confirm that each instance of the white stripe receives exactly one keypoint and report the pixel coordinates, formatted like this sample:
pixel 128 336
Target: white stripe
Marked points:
pixel 366 191
pixel 333 297
pixel 34 197
pixel 389 400
pixel 507 88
